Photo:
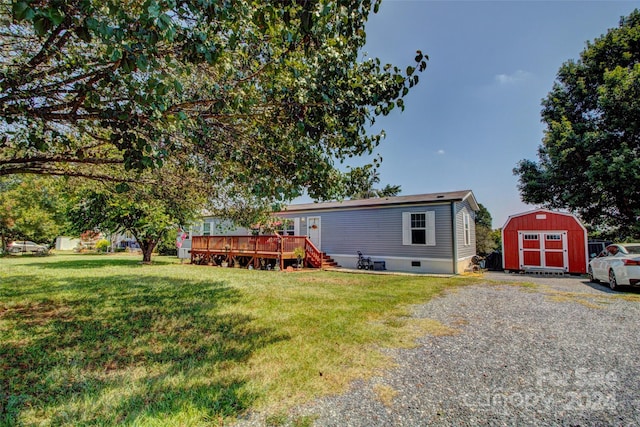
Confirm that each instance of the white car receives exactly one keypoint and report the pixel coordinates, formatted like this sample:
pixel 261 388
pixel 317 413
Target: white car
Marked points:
pixel 26 246
pixel 618 264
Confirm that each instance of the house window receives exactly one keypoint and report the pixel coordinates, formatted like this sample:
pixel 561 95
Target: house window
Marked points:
pixel 418 228
pixel 287 228
pixel 206 229
pixel 530 237
pixel 553 237
pixel 466 220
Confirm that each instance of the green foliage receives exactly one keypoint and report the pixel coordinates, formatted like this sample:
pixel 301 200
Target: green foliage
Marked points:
pixel 588 162
pixel 167 244
pixel 30 209
pixel 496 236
pixel 389 191
pixel 485 237
pixel 261 96
pixel 148 212
pixel 483 216
pixel 148 220
pixel 485 240
pixel 361 183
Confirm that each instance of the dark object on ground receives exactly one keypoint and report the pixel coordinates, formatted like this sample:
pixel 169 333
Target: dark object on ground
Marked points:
pixel 379 265
pixel 493 261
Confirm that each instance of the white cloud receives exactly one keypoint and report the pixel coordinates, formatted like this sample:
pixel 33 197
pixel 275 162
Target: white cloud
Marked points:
pixel 518 76
pixel 440 151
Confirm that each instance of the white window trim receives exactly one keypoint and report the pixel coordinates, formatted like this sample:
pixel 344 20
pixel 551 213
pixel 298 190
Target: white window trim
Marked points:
pixel 466 221
pixel 430 223
pixel 207 228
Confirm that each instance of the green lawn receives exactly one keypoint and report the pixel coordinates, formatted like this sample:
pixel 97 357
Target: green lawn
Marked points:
pixel 104 340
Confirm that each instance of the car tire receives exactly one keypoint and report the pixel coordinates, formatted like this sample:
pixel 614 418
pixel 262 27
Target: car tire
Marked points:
pixel 613 282
pixel 592 278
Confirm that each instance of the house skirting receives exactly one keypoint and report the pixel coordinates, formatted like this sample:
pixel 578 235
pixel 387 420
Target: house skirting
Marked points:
pixel 407 264
pixel 393 263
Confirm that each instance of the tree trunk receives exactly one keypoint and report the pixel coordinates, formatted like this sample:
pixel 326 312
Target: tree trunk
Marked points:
pixel 147 247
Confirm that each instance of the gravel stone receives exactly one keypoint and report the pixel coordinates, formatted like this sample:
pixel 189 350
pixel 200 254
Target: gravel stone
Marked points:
pixel 565 352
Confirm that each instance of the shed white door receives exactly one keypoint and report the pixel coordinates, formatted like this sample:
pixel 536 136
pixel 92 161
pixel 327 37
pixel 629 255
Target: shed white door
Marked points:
pixel 313 230
pixel 543 249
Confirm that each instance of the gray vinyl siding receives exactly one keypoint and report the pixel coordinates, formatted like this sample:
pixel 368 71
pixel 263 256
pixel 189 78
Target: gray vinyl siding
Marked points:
pixel 465 251
pixel 377 232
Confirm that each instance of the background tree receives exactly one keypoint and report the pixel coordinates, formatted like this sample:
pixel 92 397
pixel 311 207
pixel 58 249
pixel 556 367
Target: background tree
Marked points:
pixel 147 219
pixel 589 159
pixel 30 209
pixel 265 95
pixel 485 238
pixel 148 212
pixel 361 183
pixel 389 191
pixel 496 236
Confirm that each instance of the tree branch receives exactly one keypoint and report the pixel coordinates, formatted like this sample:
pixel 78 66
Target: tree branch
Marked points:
pixel 50 45
pixel 60 159
pixel 59 172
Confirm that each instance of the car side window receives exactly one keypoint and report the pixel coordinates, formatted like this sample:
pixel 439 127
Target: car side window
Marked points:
pixel 612 251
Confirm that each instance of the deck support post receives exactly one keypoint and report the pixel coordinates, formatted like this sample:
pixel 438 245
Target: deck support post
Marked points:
pixel 281 246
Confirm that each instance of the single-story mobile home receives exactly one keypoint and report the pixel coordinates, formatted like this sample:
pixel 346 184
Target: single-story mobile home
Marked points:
pixel 425 233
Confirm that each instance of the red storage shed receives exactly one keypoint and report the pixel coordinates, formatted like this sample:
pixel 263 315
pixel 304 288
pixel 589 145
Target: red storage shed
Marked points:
pixel 543 240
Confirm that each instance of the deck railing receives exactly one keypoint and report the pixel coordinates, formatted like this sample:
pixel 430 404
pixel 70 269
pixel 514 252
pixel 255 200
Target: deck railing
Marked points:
pixel 267 246
pixel 313 254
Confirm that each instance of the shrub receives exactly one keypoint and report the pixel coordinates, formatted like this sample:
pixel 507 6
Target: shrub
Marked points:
pixel 167 245
pixel 102 245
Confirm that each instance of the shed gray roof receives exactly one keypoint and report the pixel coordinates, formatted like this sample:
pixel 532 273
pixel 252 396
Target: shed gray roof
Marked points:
pixel 418 199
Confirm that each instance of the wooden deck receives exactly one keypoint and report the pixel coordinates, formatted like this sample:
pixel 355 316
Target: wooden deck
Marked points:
pixel 258 251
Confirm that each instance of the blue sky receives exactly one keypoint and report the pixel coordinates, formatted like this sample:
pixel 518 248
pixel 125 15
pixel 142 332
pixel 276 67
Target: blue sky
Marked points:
pixel 476 111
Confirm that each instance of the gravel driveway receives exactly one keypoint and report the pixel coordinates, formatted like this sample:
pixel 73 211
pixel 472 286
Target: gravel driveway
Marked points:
pixel 565 352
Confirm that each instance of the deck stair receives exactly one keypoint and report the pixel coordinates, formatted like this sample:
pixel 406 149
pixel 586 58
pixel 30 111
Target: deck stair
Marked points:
pixel 328 262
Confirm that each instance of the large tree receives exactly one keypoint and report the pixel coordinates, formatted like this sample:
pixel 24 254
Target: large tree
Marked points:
pixel 264 95
pixel 589 160
pixel 148 212
pixel 30 209
pixel 485 237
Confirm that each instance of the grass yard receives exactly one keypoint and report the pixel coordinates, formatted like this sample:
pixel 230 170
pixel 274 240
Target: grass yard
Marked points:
pixel 104 340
